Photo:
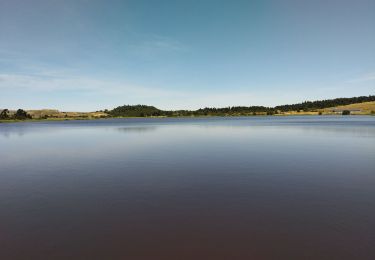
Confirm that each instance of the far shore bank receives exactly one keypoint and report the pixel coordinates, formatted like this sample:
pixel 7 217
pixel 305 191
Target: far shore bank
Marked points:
pixel 363 105
pixel 153 117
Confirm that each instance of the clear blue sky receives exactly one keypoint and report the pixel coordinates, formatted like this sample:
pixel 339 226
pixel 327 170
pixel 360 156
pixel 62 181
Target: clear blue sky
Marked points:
pixel 175 54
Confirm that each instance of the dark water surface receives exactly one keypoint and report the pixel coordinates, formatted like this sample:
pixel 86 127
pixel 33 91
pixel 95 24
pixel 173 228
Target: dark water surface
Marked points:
pixel 217 188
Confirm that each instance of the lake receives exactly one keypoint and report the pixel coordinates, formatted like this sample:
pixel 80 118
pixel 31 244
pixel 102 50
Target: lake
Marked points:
pixel 180 188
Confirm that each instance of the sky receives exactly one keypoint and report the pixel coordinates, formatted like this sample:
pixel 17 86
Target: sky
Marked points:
pixel 87 55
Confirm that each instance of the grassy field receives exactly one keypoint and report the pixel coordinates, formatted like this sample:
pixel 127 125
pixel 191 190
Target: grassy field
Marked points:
pixel 50 113
pixel 366 108
pixel 369 106
pixel 55 115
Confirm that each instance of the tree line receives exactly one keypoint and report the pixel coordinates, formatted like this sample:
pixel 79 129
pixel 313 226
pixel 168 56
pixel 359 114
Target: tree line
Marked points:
pixel 146 111
pixel 19 115
pixel 314 105
pixel 307 106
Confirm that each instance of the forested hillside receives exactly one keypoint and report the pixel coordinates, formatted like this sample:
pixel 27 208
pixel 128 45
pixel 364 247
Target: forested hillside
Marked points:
pixel 313 105
pixel 307 106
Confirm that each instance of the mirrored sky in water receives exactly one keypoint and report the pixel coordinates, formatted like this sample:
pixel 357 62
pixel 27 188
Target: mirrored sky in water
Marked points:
pixel 182 188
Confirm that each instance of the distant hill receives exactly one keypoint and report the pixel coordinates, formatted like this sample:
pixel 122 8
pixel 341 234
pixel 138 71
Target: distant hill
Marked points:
pixel 321 104
pixel 307 107
pixel 356 105
pixel 136 111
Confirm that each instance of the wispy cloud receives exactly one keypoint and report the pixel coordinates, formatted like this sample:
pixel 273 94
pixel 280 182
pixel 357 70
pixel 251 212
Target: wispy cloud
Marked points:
pixel 154 45
pixel 363 78
pixel 113 93
pixel 70 90
pixel 50 81
pixel 76 93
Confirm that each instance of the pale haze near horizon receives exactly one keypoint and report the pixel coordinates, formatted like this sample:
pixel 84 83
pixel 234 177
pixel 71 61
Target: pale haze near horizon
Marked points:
pixel 90 55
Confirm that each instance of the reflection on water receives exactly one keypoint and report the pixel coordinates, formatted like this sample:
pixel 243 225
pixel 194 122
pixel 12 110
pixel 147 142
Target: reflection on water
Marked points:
pixel 138 129
pixel 214 188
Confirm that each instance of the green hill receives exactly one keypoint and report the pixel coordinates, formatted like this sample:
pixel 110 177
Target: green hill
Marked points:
pixel 135 111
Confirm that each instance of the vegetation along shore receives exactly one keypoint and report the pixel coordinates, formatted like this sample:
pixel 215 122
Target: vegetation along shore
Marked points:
pixel 364 105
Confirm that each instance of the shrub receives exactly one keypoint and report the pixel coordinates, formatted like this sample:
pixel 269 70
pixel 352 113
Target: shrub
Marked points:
pixel 21 115
pixel 4 114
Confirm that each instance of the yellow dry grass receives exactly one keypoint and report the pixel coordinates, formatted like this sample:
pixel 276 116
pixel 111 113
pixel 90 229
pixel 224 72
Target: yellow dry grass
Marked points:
pixel 365 107
pixel 51 113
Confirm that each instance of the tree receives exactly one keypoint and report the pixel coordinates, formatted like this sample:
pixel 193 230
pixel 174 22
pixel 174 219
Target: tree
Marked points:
pixel 345 112
pixel 21 115
pixel 4 114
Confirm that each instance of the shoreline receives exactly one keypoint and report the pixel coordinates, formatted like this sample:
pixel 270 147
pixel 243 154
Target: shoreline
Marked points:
pixel 5 121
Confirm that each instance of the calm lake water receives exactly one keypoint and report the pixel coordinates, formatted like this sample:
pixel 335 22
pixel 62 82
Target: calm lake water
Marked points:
pixel 216 188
